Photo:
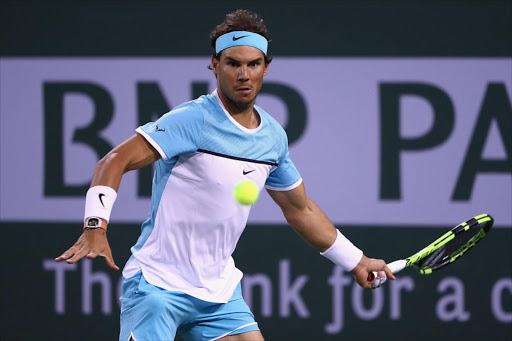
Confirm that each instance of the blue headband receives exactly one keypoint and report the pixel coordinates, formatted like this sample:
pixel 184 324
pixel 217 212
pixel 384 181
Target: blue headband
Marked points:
pixel 239 38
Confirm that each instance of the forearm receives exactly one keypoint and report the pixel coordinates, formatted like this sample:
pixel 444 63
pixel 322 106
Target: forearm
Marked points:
pixel 312 225
pixel 310 222
pixel 132 154
pixel 109 171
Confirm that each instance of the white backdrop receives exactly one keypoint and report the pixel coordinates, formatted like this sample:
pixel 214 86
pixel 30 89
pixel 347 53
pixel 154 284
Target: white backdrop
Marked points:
pixel 338 155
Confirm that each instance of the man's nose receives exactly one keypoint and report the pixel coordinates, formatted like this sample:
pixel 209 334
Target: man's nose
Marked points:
pixel 243 75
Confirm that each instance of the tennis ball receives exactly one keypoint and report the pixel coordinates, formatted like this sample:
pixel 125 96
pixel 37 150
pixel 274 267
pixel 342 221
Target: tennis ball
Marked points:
pixel 246 192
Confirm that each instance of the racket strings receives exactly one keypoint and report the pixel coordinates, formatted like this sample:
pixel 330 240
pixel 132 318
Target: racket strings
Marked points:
pixel 444 252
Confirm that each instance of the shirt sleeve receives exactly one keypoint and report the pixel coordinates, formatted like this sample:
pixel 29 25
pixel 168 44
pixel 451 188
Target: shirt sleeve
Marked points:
pixel 175 133
pixel 285 176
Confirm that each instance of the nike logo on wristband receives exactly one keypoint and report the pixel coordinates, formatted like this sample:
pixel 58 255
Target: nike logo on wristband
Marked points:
pixel 100 195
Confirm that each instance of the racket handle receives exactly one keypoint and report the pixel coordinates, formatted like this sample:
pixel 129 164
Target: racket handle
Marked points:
pixel 395 267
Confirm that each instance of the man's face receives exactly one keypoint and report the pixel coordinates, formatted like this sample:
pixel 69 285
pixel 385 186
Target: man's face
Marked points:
pixel 240 72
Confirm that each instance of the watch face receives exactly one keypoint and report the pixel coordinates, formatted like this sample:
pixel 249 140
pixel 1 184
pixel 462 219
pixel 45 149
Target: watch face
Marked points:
pixel 93 222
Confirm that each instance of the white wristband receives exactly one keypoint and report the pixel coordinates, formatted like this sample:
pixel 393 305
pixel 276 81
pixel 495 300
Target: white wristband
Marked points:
pixel 343 253
pixel 99 202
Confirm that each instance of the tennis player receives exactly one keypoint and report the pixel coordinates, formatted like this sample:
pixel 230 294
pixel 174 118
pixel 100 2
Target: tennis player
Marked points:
pixel 181 278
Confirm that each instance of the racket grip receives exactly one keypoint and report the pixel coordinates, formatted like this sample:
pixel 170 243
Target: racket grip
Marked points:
pixel 395 267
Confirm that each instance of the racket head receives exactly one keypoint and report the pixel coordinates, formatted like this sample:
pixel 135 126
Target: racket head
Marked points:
pixel 452 245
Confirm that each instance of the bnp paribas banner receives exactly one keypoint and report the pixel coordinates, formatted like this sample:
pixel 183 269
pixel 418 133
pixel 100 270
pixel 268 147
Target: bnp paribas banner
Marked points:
pixel 402 141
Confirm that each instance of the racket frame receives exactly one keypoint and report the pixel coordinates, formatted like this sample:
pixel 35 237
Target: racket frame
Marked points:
pixel 401 264
pixel 445 238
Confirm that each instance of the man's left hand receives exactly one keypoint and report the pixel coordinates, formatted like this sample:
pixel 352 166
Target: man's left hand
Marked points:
pixel 368 265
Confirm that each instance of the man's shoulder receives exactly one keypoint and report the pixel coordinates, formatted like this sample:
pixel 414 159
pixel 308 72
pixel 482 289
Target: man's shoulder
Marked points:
pixel 197 107
pixel 204 102
pixel 189 106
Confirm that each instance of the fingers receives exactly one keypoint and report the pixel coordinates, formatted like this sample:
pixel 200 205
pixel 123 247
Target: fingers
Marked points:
pixel 388 272
pixel 380 280
pixel 380 265
pixel 69 253
pixel 91 244
pixel 72 257
pixel 110 261
pixel 77 256
pixel 91 255
pixel 64 256
pixel 72 250
pixel 378 274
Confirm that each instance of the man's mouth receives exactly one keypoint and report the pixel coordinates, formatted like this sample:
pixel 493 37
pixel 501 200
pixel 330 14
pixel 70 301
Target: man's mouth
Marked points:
pixel 243 90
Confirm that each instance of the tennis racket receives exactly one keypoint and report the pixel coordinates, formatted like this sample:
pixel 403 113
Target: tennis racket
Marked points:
pixel 445 250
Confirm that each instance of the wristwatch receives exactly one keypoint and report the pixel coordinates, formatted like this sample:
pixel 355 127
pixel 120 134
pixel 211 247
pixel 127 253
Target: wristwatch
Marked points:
pixel 92 223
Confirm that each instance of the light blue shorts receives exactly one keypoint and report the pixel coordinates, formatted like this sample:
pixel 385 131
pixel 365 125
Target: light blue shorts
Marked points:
pixel 152 313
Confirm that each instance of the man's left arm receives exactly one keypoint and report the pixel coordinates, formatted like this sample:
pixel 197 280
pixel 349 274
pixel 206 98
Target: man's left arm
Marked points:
pixel 312 225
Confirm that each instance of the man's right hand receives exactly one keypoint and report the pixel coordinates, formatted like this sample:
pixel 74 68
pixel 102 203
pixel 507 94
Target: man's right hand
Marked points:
pixel 92 243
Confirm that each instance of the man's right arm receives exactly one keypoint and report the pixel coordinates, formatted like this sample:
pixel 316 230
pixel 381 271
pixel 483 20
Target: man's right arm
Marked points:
pixel 132 154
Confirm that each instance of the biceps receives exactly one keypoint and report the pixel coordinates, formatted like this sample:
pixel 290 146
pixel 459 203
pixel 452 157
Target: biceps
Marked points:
pixel 136 153
pixel 290 201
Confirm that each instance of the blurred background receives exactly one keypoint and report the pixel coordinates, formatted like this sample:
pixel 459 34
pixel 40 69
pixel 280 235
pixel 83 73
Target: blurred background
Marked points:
pixel 399 119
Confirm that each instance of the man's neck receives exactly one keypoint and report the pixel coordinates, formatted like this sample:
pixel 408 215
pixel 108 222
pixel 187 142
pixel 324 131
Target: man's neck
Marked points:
pixel 245 115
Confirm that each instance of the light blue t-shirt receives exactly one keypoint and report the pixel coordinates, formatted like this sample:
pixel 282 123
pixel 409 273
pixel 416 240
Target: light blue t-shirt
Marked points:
pixel 194 222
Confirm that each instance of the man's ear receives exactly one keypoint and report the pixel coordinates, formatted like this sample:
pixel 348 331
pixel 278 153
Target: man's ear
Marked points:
pixel 266 69
pixel 215 65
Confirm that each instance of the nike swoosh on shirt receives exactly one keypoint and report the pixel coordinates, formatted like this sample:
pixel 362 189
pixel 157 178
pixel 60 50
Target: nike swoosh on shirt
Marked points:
pixel 245 173
pixel 100 195
pixel 236 38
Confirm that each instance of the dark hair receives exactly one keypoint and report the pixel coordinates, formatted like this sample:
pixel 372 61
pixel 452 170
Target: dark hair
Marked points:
pixel 240 20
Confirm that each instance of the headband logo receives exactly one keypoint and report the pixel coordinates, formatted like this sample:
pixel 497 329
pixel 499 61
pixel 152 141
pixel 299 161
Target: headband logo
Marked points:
pixel 236 38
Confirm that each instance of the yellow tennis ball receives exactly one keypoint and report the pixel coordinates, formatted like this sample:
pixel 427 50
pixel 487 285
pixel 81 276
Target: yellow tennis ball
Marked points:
pixel 246 192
